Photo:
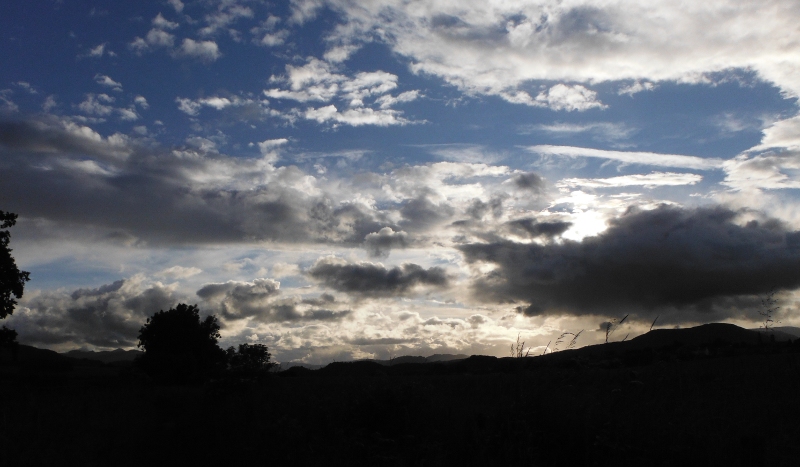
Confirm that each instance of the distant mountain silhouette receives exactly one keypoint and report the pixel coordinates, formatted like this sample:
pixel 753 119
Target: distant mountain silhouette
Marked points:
pixel 413 359
pixel 27 353
pixel 639 350
pixel 286 365
pixel 106 356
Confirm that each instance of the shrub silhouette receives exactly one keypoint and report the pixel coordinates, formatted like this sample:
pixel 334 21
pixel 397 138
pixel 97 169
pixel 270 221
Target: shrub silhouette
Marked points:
pixel 179 347
pixel 251 360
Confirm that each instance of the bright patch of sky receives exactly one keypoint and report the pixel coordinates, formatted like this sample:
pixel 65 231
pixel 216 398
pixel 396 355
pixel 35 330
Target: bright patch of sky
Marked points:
pixel 342 179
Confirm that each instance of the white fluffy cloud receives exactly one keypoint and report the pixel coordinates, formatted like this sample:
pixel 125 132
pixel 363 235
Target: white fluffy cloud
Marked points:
pixel 192 107
pixel 496 47
pixel 160 22
pixel 558 97
pixel 356 96
pixel 207 51
pixel 108 82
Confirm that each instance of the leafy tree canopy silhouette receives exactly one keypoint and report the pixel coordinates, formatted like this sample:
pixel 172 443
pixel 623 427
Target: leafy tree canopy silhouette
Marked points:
pixel 249 360
pixel 179 347
pixel 12 280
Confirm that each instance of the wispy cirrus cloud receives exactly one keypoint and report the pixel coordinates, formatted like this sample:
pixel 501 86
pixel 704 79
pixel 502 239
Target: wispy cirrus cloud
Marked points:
pixel 631 157
pixel 651 180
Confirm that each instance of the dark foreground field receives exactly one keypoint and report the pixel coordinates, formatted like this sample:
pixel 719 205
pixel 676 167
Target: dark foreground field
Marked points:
pixel 725 404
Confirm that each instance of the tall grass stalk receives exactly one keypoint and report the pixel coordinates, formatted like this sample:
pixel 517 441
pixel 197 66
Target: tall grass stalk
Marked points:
pixel 612 326
pixel 517 351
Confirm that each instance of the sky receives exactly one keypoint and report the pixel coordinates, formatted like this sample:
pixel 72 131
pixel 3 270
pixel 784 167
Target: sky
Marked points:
pixel 343 179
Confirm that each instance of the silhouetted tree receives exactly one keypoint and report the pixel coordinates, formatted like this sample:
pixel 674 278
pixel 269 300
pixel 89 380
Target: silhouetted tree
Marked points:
pixel 12 283
pixel 8 340
pixel 12 280
pixel 179 347
pixel 250 360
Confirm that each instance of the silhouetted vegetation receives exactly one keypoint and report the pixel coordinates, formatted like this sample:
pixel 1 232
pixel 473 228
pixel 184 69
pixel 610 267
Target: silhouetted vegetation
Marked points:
pixel 8 342
pixel 12 280
pixel 179 347
pixel 249 361
pixel 12 284
pixel 670 397
pixel 769 306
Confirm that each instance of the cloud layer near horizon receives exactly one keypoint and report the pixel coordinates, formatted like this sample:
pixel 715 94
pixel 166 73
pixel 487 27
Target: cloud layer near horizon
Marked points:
pixel 669 261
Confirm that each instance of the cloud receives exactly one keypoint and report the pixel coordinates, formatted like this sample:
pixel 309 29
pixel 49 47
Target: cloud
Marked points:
pixel 259 300
pixel 160 22
pixel 49 104
pixel 93 104
pixel 529 182
pixel 781 134
pixel 180 272
pixel 533 228
pixel 386 101
pixel 269 148
pixel 303 10
pixel 500 48
pixel 141 102
pixel 685 264
pixel 356 117
pixel 106 81
pixel 632 157
pixel 636 87
pixel 272 39
pixel 96 104
pixel 375 280
pixel 601 131
pixel 27 87
pixel 183 195
pixel 357 96
pixel 154 38
pixel 128 115
pixel 207 51
pixel 227 13
pixel 107 317
pixel 651 180
pixel 559 97
pixel 462 152
pixel 380 244
pixel 192 107
pixel 98 51
pixel 772 171
pixel 177 4
pixel 270 144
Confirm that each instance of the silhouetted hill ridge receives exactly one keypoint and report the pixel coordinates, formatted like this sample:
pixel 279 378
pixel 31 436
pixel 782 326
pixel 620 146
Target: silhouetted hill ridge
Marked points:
pixel 106 356
pixel 639 350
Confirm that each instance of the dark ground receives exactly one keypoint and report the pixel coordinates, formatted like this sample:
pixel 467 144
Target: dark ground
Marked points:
pixel 716 404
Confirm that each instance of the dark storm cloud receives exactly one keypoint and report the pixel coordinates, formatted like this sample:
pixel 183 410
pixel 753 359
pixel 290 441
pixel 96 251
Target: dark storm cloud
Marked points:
pixel 43 137
pixel 259 300
pixel 109 316
pixel 673 260
pixel 66 173
pixel 529 181
pixel 259 289
pixel 533 228
pixel 477 209
pixel 380 244
pixel 375 280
